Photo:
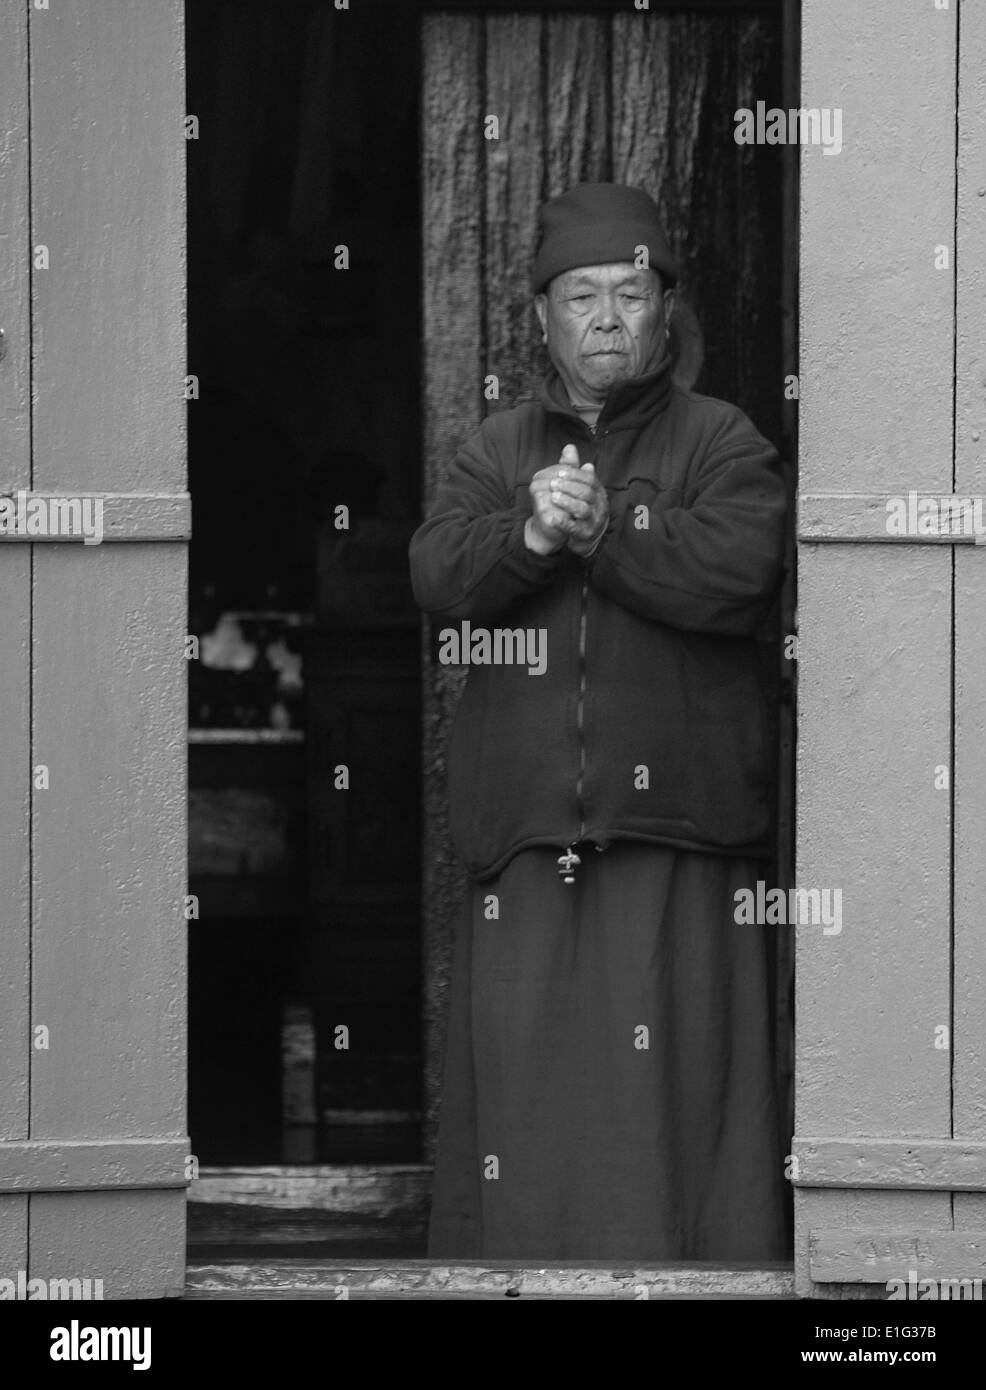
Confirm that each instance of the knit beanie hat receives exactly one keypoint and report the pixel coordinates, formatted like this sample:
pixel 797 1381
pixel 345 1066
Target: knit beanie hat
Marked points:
pixel 599 223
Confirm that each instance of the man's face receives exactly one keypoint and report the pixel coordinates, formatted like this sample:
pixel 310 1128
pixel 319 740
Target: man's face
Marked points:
pixel 604 324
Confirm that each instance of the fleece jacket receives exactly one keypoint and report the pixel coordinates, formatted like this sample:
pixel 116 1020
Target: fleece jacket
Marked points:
pixel 647 721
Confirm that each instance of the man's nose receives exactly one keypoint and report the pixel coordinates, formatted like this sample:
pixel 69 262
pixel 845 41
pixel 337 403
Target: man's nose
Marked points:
pixel 607 319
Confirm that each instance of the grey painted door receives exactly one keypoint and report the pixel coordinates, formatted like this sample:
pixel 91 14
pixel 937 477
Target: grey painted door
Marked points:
pixel 890 1159
pixel 92 678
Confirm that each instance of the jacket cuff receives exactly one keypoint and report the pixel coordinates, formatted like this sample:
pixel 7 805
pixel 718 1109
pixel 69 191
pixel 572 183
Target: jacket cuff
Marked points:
pixel 589 558
pixel 538 565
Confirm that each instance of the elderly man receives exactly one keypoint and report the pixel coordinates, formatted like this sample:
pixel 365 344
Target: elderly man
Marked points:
pixel 608 1090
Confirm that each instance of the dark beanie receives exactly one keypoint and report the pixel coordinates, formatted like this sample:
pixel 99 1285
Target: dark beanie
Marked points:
pixel 599 223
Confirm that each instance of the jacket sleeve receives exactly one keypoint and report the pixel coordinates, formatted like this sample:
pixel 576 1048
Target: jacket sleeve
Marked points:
pixel 469 559
pixel 711 555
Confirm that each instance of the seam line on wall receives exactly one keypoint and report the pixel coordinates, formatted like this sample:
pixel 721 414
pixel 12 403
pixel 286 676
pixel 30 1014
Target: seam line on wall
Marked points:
pixel 953 567
pixel 30 617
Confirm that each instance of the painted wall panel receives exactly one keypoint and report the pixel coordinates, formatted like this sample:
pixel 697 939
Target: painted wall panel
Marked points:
pixel 15 243
pixel 108 147
pixel 109 676
pixel 969 1037
pixel 876 316
pixel 874 722
pixel 875 621
pixel 109 841
pixel 93 1235
pixel 15 586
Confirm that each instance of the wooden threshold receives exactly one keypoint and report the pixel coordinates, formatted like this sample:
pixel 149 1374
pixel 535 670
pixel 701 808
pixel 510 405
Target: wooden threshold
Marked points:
pixel 303 1232
pixel 310 1204
pixel 296 1279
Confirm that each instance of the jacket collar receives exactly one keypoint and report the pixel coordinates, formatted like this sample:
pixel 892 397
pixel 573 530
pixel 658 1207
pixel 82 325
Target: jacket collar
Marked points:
pixel 629 405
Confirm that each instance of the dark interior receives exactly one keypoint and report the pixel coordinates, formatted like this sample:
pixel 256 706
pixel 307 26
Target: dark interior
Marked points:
pixel 309 894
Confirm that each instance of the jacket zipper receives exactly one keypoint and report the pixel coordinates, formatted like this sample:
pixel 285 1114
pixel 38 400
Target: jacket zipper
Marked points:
pixel 570 860
pixel 580 706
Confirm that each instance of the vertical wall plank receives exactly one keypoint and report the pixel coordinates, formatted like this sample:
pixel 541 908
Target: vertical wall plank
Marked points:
pixel 109 710
pixel 969 1037
pixel 108 841
pixel 108 159
pixel 515 181
pixel 451 132
pixel 576 85
pixel 880 408
pixel 875 621
pixel 15 247
pixel 15 572
pixel 93 1235
pixel 873 709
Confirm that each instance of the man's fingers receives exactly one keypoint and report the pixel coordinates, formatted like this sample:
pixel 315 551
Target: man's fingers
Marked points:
pixel 548 512
pixel 573 487
pixel 568 495
pixel 545 475
pixel 584 476
pixel 572 506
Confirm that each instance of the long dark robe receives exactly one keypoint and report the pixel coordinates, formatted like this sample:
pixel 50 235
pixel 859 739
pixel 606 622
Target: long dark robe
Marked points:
pixel 609 1086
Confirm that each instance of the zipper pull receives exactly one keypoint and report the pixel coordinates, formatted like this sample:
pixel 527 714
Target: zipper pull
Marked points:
pixel 567 864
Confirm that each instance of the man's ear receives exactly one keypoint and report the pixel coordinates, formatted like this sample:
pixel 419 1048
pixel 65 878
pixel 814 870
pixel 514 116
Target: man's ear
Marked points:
pixel 668 305
pixel 541 309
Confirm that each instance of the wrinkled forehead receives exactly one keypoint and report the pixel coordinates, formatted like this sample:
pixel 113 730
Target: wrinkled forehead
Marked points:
pixel 616 275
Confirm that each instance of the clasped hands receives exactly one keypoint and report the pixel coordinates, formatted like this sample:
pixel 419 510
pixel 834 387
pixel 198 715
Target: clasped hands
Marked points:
pixel 570 507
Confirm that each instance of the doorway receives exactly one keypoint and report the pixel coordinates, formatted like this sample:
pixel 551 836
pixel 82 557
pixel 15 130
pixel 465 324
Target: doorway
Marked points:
pixel 355 272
